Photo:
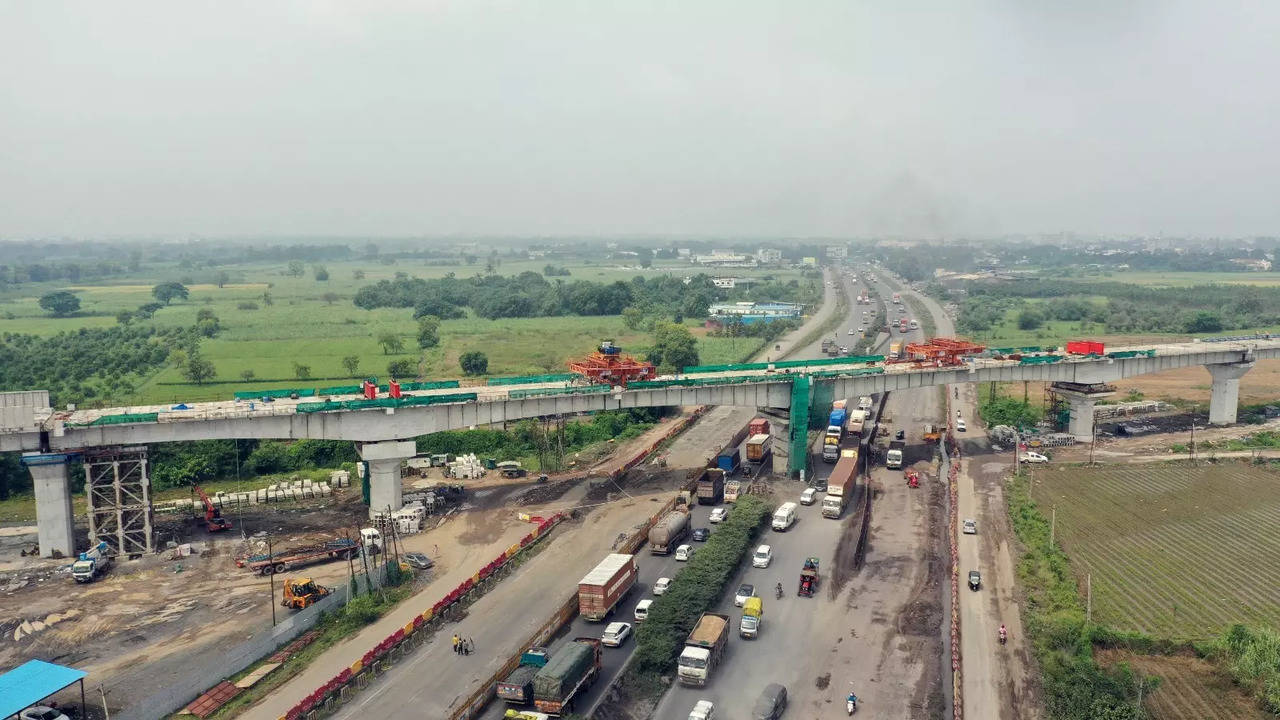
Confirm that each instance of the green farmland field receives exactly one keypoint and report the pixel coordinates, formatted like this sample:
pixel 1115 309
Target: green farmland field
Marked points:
pixel 1174 551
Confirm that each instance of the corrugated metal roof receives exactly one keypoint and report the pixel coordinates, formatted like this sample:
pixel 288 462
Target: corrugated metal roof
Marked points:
pixel 31 682
pixel 607 568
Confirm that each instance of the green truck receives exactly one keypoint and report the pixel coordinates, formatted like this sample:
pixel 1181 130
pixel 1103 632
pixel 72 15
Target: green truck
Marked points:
pixel 569 671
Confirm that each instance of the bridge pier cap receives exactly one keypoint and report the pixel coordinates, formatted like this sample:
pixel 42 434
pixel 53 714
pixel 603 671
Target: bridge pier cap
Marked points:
pixel 383 460
pixel 1081 401
pixel 1224 396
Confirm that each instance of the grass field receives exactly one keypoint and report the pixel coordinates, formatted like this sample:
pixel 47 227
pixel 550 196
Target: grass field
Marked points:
pixel 1182 279
pixel 1190 688
pixel 1174 551
pixel 1058 332
pixel 301 325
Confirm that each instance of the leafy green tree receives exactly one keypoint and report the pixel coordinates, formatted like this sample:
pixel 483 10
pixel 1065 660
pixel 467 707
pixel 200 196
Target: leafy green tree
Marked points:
pixel 1029 319
pixel 222 278
pixel 199 369
pixel 247 375
pixel 167 292
pixel 674 347
pixel 61 303
pixel 300 371
pixel 296 268
pixel 1205 322
pixel 402 368
pixel 474 362
pixel 147 310
pixel 330 298
pixel 428 331
pixel 124 317
pixel 352 364
pixel 178 357
pixel 322 273
pixel 357 274
pixel 391 343
pixel 266 299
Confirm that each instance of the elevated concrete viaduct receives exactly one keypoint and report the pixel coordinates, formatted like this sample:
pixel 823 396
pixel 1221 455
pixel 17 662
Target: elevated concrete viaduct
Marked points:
pixel 385 434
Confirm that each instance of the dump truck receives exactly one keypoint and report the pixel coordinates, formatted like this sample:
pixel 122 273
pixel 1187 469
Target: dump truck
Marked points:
pixel 517 687
pixel 830 448
pixel 703 649
pixel 840 486
pixel 711 486
pixel 758 447
pixel 893 458
pixel 600 590
pixel 732 489
pixel 828 345
pixel 92 563
pixel 338 548
pixel 667 533
pixel 302 593
pixel 511 469
pixel 855 424
pixel 572 669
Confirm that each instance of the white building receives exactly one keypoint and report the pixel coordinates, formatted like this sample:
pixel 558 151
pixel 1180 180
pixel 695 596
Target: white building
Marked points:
pixel 837 252
pixel 769 256
pixel 729 283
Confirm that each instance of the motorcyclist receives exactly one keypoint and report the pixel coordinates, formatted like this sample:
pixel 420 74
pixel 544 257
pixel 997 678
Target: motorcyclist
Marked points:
pixel 852 701
pixel 778 590
pixel 1003 633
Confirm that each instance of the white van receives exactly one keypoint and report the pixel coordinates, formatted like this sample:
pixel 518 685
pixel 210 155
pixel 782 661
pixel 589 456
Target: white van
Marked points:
pixel 785 516
pixel 642 609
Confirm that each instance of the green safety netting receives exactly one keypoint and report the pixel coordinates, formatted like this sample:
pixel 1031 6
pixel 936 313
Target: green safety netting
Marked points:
pixel 531 379
pixel 341 390
pixel 799 424
pixel 407 401
pixel 854 372
pixel 1123 354
pixel 852 360
pixel 821 395
pixel 1040 360
pixel 539 392
pixel 119 419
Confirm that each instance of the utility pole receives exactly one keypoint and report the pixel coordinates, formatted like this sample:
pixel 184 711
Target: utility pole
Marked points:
pixel 1053 525
pixel 1193 439
pixel 271 580
pixel 103 693
pixel 1088 613
pixel 1093 444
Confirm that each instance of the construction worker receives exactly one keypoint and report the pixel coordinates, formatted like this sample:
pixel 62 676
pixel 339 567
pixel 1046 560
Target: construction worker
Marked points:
pixel 456 639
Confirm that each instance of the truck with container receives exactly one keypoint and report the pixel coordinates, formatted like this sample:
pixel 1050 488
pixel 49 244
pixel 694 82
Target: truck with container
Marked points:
pixel 829 346
pixel 840 486
pixel 569 671
pixel 517 687
pixel 703 649
pixel 758 448
pixel 600 590
pixel 667 533
pixel 893 458
pixel 729 460
pixel 897 298
pixel 856 424
pixel 710 487
pixel 837 417
pixel 92 563
pixel 830 447
pixel 278 562
pixel 758 426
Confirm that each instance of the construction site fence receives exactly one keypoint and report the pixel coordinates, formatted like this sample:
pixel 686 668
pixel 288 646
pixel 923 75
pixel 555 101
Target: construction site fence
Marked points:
pixel 852 360
pixel 205 670
pixel 543 392
pixel 331 694
pixel 532 379
pixel 388 402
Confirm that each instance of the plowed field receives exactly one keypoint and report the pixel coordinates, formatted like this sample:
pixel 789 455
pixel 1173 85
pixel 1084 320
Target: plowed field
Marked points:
pixel 1189 689
pixel 1174 551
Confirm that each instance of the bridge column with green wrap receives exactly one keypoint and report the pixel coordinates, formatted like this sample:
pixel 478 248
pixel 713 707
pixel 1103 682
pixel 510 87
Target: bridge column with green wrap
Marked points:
pixel 383 460
pixel 799 438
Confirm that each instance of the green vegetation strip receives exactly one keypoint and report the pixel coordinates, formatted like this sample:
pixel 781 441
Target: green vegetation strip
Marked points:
pixel 696 589
pixel 1075 687
pixel 1252 659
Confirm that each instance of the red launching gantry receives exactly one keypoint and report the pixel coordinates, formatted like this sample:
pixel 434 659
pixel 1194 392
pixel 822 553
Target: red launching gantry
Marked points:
pixel 940 352
pixel 609 365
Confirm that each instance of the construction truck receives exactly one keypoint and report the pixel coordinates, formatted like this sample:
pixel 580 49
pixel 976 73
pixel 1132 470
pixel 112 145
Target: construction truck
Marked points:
pixel 856 423
pixel 703 649
pixel 213 520
pixel 840 487
pixel 517 687
pixel 278 562
pixel 511 469
pixel 932 433
pixel 732 489
pixel 572 669
pixel 667 533
pixel 893 458
pixel 602 588
pixel 895 351
pixel 302 593
pixel 710 487
pixel 92 563
pixel 830 447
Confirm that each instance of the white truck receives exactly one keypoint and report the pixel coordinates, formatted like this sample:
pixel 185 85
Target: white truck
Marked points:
pixel 92 563
pixel 703 649
pixel 893 458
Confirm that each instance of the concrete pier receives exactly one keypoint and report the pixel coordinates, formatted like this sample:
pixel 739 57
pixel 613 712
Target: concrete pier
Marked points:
pixel 384 460
pixel 1224 398
pixel 1082 403
pixel 55 522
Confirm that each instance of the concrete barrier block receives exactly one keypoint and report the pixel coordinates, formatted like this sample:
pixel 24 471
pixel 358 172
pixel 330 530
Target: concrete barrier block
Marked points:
pixel 324 491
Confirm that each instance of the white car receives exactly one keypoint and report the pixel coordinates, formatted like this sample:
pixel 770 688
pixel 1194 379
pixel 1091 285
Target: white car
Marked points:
pixel 851 332
pixel 960 425
pixel 1033 457
pixel 718 515
pixel 809 496
pixel 615 634
pixel 41 712
pixel 684 552
pixel 745 590
pixel 661 585
pixel 763 556
pixel 703 710
pixel 642 609
pixel 970 526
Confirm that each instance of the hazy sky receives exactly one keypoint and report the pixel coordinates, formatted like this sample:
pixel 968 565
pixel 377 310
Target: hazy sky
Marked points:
pixel 387 117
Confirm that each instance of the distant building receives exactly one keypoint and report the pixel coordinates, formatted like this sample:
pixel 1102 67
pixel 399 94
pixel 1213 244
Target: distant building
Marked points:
pixel 729 283
pixel 809 261
pixel 751 312
pixel 769 256
pixel 725 258
pixel 1253 265
pixel 837 252
pixel 683 252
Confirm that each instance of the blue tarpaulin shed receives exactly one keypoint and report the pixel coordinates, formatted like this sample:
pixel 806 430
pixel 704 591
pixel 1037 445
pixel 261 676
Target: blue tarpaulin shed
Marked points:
pixel 33 681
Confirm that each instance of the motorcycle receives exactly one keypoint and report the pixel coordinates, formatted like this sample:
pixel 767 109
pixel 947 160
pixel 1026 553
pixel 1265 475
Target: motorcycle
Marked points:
pixel 851 704
pixel 777 591
pixel 1004 636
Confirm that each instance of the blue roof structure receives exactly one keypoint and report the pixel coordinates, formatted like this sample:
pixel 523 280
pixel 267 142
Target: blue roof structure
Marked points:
pixel 31 682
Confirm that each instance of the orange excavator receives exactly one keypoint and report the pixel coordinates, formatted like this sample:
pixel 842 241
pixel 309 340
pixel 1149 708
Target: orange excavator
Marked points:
pixel 213 519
